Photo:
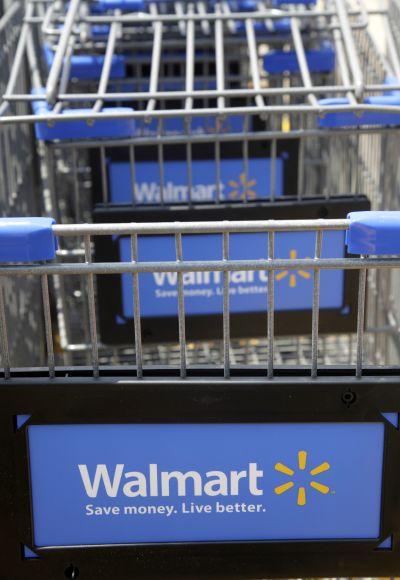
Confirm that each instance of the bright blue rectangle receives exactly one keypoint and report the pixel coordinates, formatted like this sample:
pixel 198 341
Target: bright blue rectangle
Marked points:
pixel 235 183
pixel 248 290
pixel 231 464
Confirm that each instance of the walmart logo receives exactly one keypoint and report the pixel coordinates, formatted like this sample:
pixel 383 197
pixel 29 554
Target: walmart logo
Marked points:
pixel 293 275
pixel 242 188
pixel 302 465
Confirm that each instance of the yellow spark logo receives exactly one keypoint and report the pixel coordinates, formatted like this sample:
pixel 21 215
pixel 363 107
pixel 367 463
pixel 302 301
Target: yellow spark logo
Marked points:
pixel 242 188
pixel 293 274
pixel 302 463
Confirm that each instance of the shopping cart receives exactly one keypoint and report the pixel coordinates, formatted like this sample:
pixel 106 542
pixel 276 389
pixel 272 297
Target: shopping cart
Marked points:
pixel 265 470
pixel 308 157
pixel 18 192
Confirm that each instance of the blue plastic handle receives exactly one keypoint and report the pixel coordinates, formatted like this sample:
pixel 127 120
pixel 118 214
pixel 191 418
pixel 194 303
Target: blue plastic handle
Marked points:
pixel 278 3
pixel 374 232
pixel 349 119
pixel 89 67
pixel 79 129
pixel 319 60
pixel 101 6
pixel 281 26
pixel 27 240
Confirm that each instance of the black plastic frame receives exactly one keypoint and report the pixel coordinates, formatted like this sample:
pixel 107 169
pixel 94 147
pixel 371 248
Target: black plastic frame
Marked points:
pixel 117 397
pixel 203 327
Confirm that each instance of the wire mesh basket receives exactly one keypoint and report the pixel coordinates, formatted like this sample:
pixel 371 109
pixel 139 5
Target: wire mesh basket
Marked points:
pixel 375 340
pixel 266 108
pixel 18 191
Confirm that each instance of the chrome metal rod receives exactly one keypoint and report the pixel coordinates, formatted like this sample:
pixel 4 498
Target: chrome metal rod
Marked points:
pixel 92 308
pixel 253 56
pixel 202 266
pixel 48 326
pixel 361 318
pixel 219 57
pixel 181 307
pixel 55 70
pixel 315 308
pixel 302 59
pixel 155 60
pixel 107 64
pixel 137 323
pixel 271 307
pixel 5 352
pixel 225 310
pixel 210 227
pixel 351 50
pixel 18 59
pixel 190 50
pixel 290 109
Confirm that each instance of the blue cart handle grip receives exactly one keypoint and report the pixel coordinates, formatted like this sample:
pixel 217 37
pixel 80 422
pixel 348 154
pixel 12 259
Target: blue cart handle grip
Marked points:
pixel 27 239
pixel 374 232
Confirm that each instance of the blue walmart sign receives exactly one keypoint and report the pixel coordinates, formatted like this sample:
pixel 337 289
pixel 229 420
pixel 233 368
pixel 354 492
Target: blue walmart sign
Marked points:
pixel 248 290
pixel 144 483
pixel 236 183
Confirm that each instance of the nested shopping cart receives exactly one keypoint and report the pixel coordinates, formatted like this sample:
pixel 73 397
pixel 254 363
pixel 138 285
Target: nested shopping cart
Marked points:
pixel 239 471
pixel 19 192
pixel 272 113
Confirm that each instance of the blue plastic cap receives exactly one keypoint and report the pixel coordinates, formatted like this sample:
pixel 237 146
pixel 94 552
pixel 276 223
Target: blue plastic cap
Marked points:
pixel 89 66
pixel 374 232
pixel 319 60
pixel 118 128
pixel 27 240
pixel 350 119
pixel 278 3
pixel 127 5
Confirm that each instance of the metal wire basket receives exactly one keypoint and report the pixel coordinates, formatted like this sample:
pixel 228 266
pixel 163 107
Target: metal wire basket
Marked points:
pixel 375 340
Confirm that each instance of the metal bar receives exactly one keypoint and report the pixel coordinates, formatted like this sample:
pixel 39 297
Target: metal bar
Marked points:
pixel 181 308
pixel 104 180
pixel 342 64
pixel 320 110
pixel 5 353
pixel 273 170
pixel 48 326
pixel 107 64
pixel 201 266
pixel 18 58
pixel 219 57
pixel 302 60
pixel 137 323
pixel 227 137
pixel 210 227
pixel 55 71
pixel 190 48
pixel 253 56
pixel 271 306
pixel 351 49
pixel 133 172
pixel 205 25
pixel 225 311
pixel 360 318
pixel 34 66
pixel 315 308
pixel 92 308
pixel 206 93
pixel 179 14
pixel 5 20
pixel 392 49
pixel 189 85
pixel 155 59
pixel 143 18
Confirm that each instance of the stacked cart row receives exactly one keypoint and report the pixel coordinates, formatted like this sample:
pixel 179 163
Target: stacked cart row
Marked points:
pixel 198 112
